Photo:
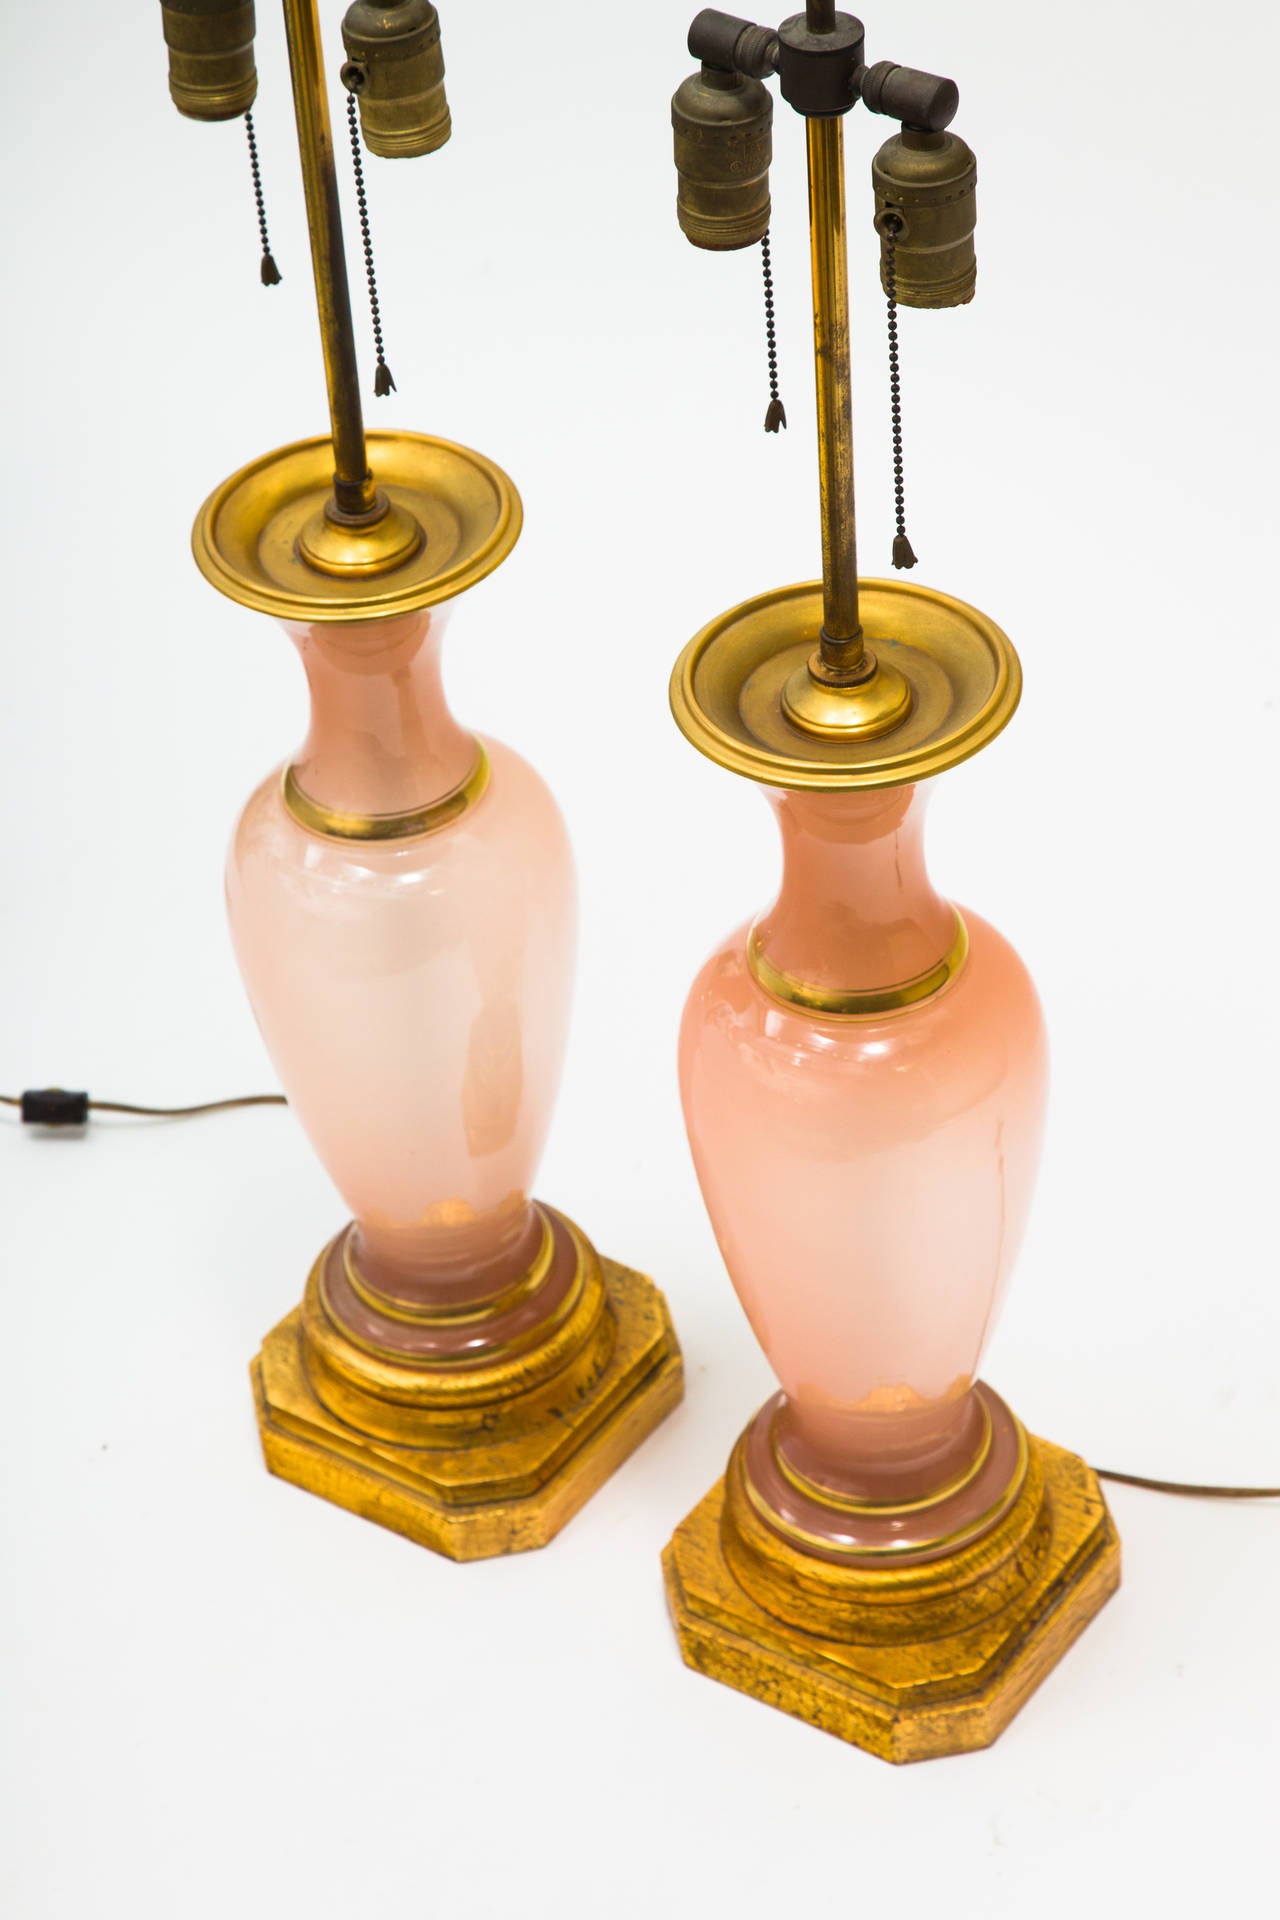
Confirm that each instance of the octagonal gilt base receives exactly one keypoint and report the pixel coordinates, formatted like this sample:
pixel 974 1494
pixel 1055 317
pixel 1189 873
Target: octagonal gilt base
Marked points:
pixel 499 1482
pixel 905 1698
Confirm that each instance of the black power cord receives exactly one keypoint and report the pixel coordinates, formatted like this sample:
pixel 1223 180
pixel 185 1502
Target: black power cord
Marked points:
pixel 56 1107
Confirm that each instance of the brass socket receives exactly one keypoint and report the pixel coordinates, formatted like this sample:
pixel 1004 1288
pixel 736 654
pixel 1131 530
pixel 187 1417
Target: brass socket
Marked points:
pixel 395 68
pixel 927 182
pixel 212 75
pixel 723 126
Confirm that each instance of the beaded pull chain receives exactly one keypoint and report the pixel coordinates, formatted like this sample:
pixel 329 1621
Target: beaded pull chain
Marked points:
pixel 777 415
pixel 903 552
pixel 383 384
pixel 269 270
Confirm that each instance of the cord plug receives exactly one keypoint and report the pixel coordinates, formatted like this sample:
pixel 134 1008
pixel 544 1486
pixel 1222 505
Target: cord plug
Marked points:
pixel 54 1107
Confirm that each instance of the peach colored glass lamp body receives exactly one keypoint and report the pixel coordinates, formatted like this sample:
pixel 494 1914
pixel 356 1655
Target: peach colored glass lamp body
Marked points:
pixel 868 1175
pixel 464 1368
pixel 413 992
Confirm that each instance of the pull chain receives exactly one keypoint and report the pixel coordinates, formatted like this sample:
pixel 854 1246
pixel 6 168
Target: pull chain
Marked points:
pixel 269 270
pixel 777 414
pixel 383 384
pixel 903 552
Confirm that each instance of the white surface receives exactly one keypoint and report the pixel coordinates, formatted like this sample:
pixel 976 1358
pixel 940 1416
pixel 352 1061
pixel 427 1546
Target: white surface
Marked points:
pixel 221 1696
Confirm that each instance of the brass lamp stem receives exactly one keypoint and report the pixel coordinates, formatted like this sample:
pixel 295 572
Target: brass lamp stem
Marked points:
pixel 842 647
pixel 354 494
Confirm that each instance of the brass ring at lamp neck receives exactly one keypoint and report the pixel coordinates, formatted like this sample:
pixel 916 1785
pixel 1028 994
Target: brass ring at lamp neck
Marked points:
pixel 465 1314
pixel 338 825
pixel 854 1002
pixel 361 547
pixel 971 1529
pixel 846 1503
pixel 834 707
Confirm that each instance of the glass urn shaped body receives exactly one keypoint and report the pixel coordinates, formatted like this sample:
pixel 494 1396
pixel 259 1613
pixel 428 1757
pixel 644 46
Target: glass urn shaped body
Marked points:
pixel 863 1070
pixel 863 1073
pixel 464 1367
pixel 401 900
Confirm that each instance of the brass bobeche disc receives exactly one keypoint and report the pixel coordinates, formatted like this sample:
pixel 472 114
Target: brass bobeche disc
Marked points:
pixel 263 537
pixel 947 681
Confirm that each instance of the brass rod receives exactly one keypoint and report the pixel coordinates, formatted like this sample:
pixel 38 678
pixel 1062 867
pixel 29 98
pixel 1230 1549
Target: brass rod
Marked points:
pixel 820 16
pixel 842 647
pixel 353 489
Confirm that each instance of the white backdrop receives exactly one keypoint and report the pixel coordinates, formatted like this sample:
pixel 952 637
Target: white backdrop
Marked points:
pixel 222 1696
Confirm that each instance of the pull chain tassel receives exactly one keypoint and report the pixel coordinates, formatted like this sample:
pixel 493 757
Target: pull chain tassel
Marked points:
pixel 269 271
pixel 903 552
pixel 777 415
pixel 383 384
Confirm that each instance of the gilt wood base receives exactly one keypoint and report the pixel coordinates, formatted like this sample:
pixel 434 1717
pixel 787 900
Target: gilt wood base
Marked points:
pixel 918 1699
pixel 480 1494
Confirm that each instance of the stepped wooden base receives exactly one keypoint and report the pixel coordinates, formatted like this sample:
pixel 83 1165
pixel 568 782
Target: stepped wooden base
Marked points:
pixel 1013 1609
pixel 493 1482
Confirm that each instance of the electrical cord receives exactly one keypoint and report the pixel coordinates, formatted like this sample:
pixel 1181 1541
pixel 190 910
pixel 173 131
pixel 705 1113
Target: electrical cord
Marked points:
pixel 55 1107
pixel 1188 1487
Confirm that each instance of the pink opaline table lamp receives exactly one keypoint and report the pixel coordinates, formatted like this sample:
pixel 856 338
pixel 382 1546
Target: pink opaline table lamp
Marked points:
pixel 464 1367
pixel 863 1066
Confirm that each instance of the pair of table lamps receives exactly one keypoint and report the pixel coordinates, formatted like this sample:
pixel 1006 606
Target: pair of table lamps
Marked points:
pixel 889 1554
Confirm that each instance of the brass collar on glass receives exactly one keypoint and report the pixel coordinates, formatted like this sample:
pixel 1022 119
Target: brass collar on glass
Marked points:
pixel 265 539
pixel 360 547
pixel 971 1529
pixel 337 825
pixel 947 682
pixel 825 704
pixel 885 1509
pixel 473 1311
pixel 852 1002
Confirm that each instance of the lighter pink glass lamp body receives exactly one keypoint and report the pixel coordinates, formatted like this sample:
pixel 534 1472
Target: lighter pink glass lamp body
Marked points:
pixel 413 993
pixel 868 1177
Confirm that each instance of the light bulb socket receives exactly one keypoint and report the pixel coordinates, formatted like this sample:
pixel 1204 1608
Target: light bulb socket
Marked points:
pixel 723 128
pixel 926 194
pixel 395 68
pixel 212 75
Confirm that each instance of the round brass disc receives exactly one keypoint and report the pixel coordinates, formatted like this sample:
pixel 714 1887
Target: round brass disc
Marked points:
pixel 734 682
pixel 262 537
pixel 347 552
pixel 860 712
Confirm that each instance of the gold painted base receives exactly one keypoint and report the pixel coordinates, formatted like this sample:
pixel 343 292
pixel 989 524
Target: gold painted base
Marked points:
pixel 501 1488
pixel 900 1697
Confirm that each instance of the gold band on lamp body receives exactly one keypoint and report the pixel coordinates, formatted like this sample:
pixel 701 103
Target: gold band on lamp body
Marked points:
pixel 852 1002
pixel 452 1316
pixel 845 1503
pixel 973 1529
pixel 337 825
